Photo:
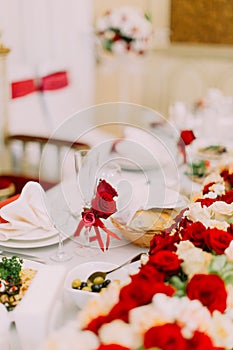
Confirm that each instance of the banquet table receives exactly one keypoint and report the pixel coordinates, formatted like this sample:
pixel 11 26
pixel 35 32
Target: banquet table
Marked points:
pixel 118 252
pixel 63 202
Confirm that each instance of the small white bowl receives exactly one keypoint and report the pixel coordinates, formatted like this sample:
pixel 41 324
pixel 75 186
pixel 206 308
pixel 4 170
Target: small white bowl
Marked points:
pixel 82 271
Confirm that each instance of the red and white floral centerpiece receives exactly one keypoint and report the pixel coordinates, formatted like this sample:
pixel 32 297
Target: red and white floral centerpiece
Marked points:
pixel 181 297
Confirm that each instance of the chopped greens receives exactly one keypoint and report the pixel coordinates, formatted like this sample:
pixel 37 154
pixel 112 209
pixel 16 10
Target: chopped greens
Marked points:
pixel 10 269
pixel 198 169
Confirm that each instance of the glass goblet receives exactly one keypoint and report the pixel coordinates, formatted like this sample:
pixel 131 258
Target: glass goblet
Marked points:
pixel 86 166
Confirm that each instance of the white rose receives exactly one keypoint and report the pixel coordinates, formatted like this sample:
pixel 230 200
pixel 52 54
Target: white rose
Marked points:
pixel 221 330
pixel 198 213
pixel 195 259
pixel 119 332
pixel 220 210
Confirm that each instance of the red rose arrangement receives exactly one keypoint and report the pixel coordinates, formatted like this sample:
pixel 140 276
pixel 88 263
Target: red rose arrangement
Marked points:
pixel 165 274
pixel 181 297
pixel 103 205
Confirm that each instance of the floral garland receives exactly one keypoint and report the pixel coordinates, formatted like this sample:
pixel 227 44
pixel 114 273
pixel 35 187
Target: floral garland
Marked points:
pixel 124 29
pixel 182 296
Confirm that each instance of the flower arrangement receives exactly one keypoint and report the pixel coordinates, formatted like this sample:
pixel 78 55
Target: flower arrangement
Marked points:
pixel 103 205
pixel 124 29
pixel 182 296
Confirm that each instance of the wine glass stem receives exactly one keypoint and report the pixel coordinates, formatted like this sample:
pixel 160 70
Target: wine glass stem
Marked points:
pixel 60 250
pixel 86 236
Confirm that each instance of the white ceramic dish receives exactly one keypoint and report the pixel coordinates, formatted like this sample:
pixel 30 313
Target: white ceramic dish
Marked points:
pixel 33 244
pixel 194 150
pixel 36 235
pixel 82 271
pixel 38 309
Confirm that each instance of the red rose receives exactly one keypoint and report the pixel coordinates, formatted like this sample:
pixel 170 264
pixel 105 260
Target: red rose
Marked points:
pixel 96 323
pixel 112 347
pixel 105 187
pixel 148 273
pixel 217 240
pixel 209 290
pixel 228 177
pixel 163 241
pixel 88 217
pixel 194 232
pixel 103 206
pixel 137 293
pixel 165 261
pixel 206 202
pixel 206 188
pixel 187 136
pixel 165 337
pixel 228 197
pixel 200 341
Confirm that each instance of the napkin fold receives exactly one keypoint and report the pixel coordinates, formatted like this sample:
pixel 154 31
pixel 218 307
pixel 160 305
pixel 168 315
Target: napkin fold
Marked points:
pixel 142 149
pixel 27 213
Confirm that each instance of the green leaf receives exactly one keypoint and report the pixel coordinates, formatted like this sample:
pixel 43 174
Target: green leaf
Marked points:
pixel 217 264
pixel 177 283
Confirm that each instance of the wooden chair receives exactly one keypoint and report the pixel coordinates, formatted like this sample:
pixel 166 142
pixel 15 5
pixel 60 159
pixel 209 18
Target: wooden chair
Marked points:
pixel 20 169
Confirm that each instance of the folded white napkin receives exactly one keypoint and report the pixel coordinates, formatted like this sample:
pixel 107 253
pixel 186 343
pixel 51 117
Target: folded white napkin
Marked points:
pixel 27 213
pixel 142 149
pixel 134 194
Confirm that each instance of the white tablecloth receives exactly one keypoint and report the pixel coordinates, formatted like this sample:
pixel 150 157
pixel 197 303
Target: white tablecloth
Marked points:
pixel 119 252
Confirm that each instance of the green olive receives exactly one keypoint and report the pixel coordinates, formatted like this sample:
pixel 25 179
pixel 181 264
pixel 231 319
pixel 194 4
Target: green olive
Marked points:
pixel 98 280
pixel 87 289
pixel 76 283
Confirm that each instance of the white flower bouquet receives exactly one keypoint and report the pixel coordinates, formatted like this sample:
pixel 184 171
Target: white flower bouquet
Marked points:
pixel 124 29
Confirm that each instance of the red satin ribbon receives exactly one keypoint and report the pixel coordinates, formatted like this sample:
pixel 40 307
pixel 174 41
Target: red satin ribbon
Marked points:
pixel 98 224
pixel 23 88
pixel 54 81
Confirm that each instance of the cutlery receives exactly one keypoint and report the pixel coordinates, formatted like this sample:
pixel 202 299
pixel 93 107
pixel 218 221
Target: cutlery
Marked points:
pixel 11 252
pixel 103 274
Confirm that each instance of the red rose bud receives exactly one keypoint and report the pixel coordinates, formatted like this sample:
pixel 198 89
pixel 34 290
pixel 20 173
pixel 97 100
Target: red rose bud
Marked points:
pixel 88 217
pixel 187 136
pixel 104 187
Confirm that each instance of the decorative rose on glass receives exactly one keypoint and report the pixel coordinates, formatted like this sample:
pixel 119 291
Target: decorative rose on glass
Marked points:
pixel 124 29
pixel 103 205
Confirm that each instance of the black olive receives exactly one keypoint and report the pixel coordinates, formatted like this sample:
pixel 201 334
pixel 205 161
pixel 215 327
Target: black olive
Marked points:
pixel 106 283
pixel 83 284
pixel 96 287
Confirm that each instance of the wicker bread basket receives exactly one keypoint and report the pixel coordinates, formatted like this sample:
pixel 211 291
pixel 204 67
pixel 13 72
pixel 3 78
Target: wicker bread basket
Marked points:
pixel 145 224
pixel 140 238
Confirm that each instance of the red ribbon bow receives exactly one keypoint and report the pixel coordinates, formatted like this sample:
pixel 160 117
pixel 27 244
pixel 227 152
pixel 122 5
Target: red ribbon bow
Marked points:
pixel 54 81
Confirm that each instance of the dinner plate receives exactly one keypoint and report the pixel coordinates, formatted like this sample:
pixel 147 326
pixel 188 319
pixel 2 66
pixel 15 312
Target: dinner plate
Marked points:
pixel 34 244
pixel 199 149
pixel 35 235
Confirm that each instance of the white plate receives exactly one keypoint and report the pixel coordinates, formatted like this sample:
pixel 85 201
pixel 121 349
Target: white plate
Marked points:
pixel 35 235
pixel 34 244
pixel 195 147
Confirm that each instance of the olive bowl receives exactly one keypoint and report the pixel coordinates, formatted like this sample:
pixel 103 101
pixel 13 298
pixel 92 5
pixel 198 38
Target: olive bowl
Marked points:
pixel 82 271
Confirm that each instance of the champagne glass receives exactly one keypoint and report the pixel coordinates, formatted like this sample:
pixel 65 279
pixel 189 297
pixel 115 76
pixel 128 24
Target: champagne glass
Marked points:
pixel 60 254
pixel 86 166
